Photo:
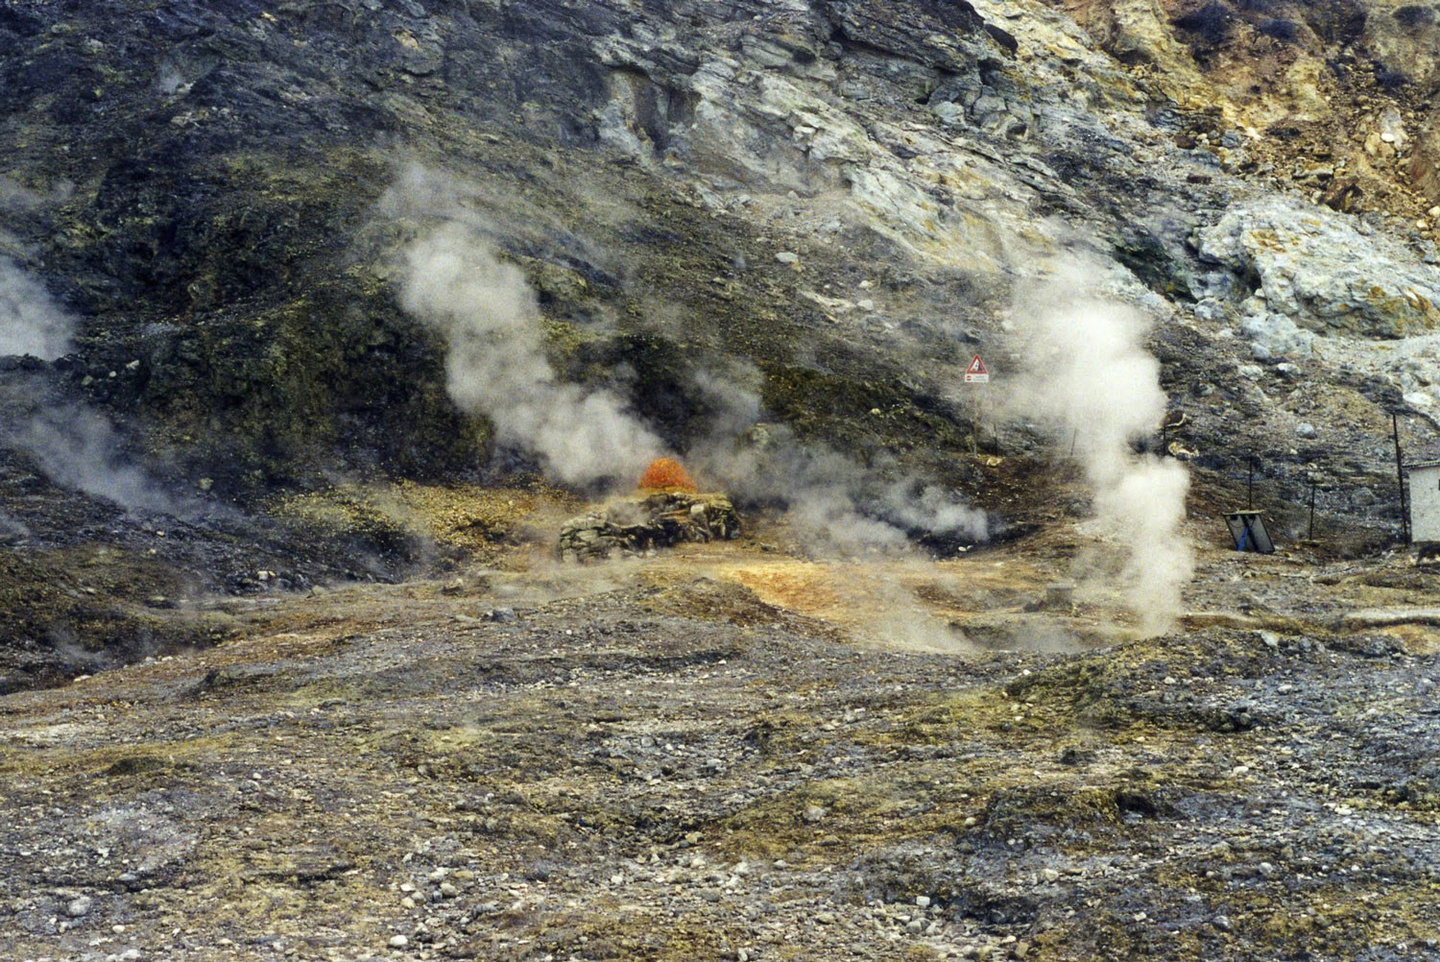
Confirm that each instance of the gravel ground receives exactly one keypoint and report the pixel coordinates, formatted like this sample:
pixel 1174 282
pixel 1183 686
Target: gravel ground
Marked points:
pixel 658 764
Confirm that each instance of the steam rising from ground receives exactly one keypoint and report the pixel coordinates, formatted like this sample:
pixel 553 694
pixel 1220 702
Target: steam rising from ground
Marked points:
pixel 835 503
pixel 496 363
pixel 1088 373
pixel 73 445
pixel 78 448
pixel 30 322
pixel 496 366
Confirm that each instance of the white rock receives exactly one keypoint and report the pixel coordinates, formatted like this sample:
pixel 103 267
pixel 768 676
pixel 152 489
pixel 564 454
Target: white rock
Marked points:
pixel 1277 335
pixel 1320 270
pixel 787 257
pixel 80 907
pixel 398 942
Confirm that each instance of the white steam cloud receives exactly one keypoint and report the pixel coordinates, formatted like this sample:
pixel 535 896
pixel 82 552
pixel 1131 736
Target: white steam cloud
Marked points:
pixel 73 445
pixel 496 364
pixel 1087 373
pixel 30 322
pixel 78 448
pixel 835 503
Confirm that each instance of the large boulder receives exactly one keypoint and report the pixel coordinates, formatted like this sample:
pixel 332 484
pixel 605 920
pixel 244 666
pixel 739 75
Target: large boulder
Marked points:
pixel 634 526
pixel 1326 272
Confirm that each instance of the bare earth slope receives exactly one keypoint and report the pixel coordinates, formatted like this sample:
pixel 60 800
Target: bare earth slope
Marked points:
pixel 287 668
pixel 552 766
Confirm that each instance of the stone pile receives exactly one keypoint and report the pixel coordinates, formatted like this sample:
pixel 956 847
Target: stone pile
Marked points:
pixel 634 526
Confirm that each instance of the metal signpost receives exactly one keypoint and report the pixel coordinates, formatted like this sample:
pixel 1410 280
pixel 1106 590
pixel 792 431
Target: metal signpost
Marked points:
pixel 976 373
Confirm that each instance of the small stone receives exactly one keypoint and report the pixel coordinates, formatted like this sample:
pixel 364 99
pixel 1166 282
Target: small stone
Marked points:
pixel 825 918
pixel 80 907
pixel 398 942
pixel 1222 922
pixel 914 926
pixel 923 901
pixel 787 257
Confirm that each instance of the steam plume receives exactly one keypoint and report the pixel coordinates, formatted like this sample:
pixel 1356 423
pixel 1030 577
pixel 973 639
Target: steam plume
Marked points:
pixel 1088 373
pixel 30 322
pixel 74 446
pixel 496 364
pixel 837 504
pixel 78 448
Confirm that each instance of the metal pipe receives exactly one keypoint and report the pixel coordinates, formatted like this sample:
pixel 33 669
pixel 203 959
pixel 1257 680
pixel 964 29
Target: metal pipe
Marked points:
pixel 1400 479
pixel 1311 535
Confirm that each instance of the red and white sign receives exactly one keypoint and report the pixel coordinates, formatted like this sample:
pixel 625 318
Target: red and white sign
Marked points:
pixel 976 372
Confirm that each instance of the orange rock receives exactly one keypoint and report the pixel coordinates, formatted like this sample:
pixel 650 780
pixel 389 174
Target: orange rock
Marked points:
pixel 666 474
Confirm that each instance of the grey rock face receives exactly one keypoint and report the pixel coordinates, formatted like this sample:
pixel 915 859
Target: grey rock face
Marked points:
pixel 637 525
pixel 1319 271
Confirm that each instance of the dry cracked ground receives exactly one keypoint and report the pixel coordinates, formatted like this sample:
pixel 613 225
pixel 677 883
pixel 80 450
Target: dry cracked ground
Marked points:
pixel 732 752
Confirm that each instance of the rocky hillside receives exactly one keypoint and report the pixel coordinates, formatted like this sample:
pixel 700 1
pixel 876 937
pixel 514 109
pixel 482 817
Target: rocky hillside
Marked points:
pixel 764 236
pixel 831 203
pixel 319 319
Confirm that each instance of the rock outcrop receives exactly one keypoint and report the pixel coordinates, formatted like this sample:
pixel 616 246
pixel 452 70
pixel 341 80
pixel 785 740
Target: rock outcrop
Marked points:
pixel 639 525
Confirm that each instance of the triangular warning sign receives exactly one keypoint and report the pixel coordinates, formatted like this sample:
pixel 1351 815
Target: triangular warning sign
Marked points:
pixel 976 372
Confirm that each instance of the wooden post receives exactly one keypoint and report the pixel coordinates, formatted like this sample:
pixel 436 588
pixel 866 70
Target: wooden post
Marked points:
pixel 1311 535
pixel 1400 479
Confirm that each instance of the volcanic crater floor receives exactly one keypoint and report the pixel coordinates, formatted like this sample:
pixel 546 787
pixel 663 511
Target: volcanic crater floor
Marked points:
pixel 724 752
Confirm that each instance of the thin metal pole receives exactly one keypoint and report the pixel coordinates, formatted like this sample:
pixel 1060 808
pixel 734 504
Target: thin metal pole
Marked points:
pixel 1400 479
pixel 1311 535
pixel 1250 488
